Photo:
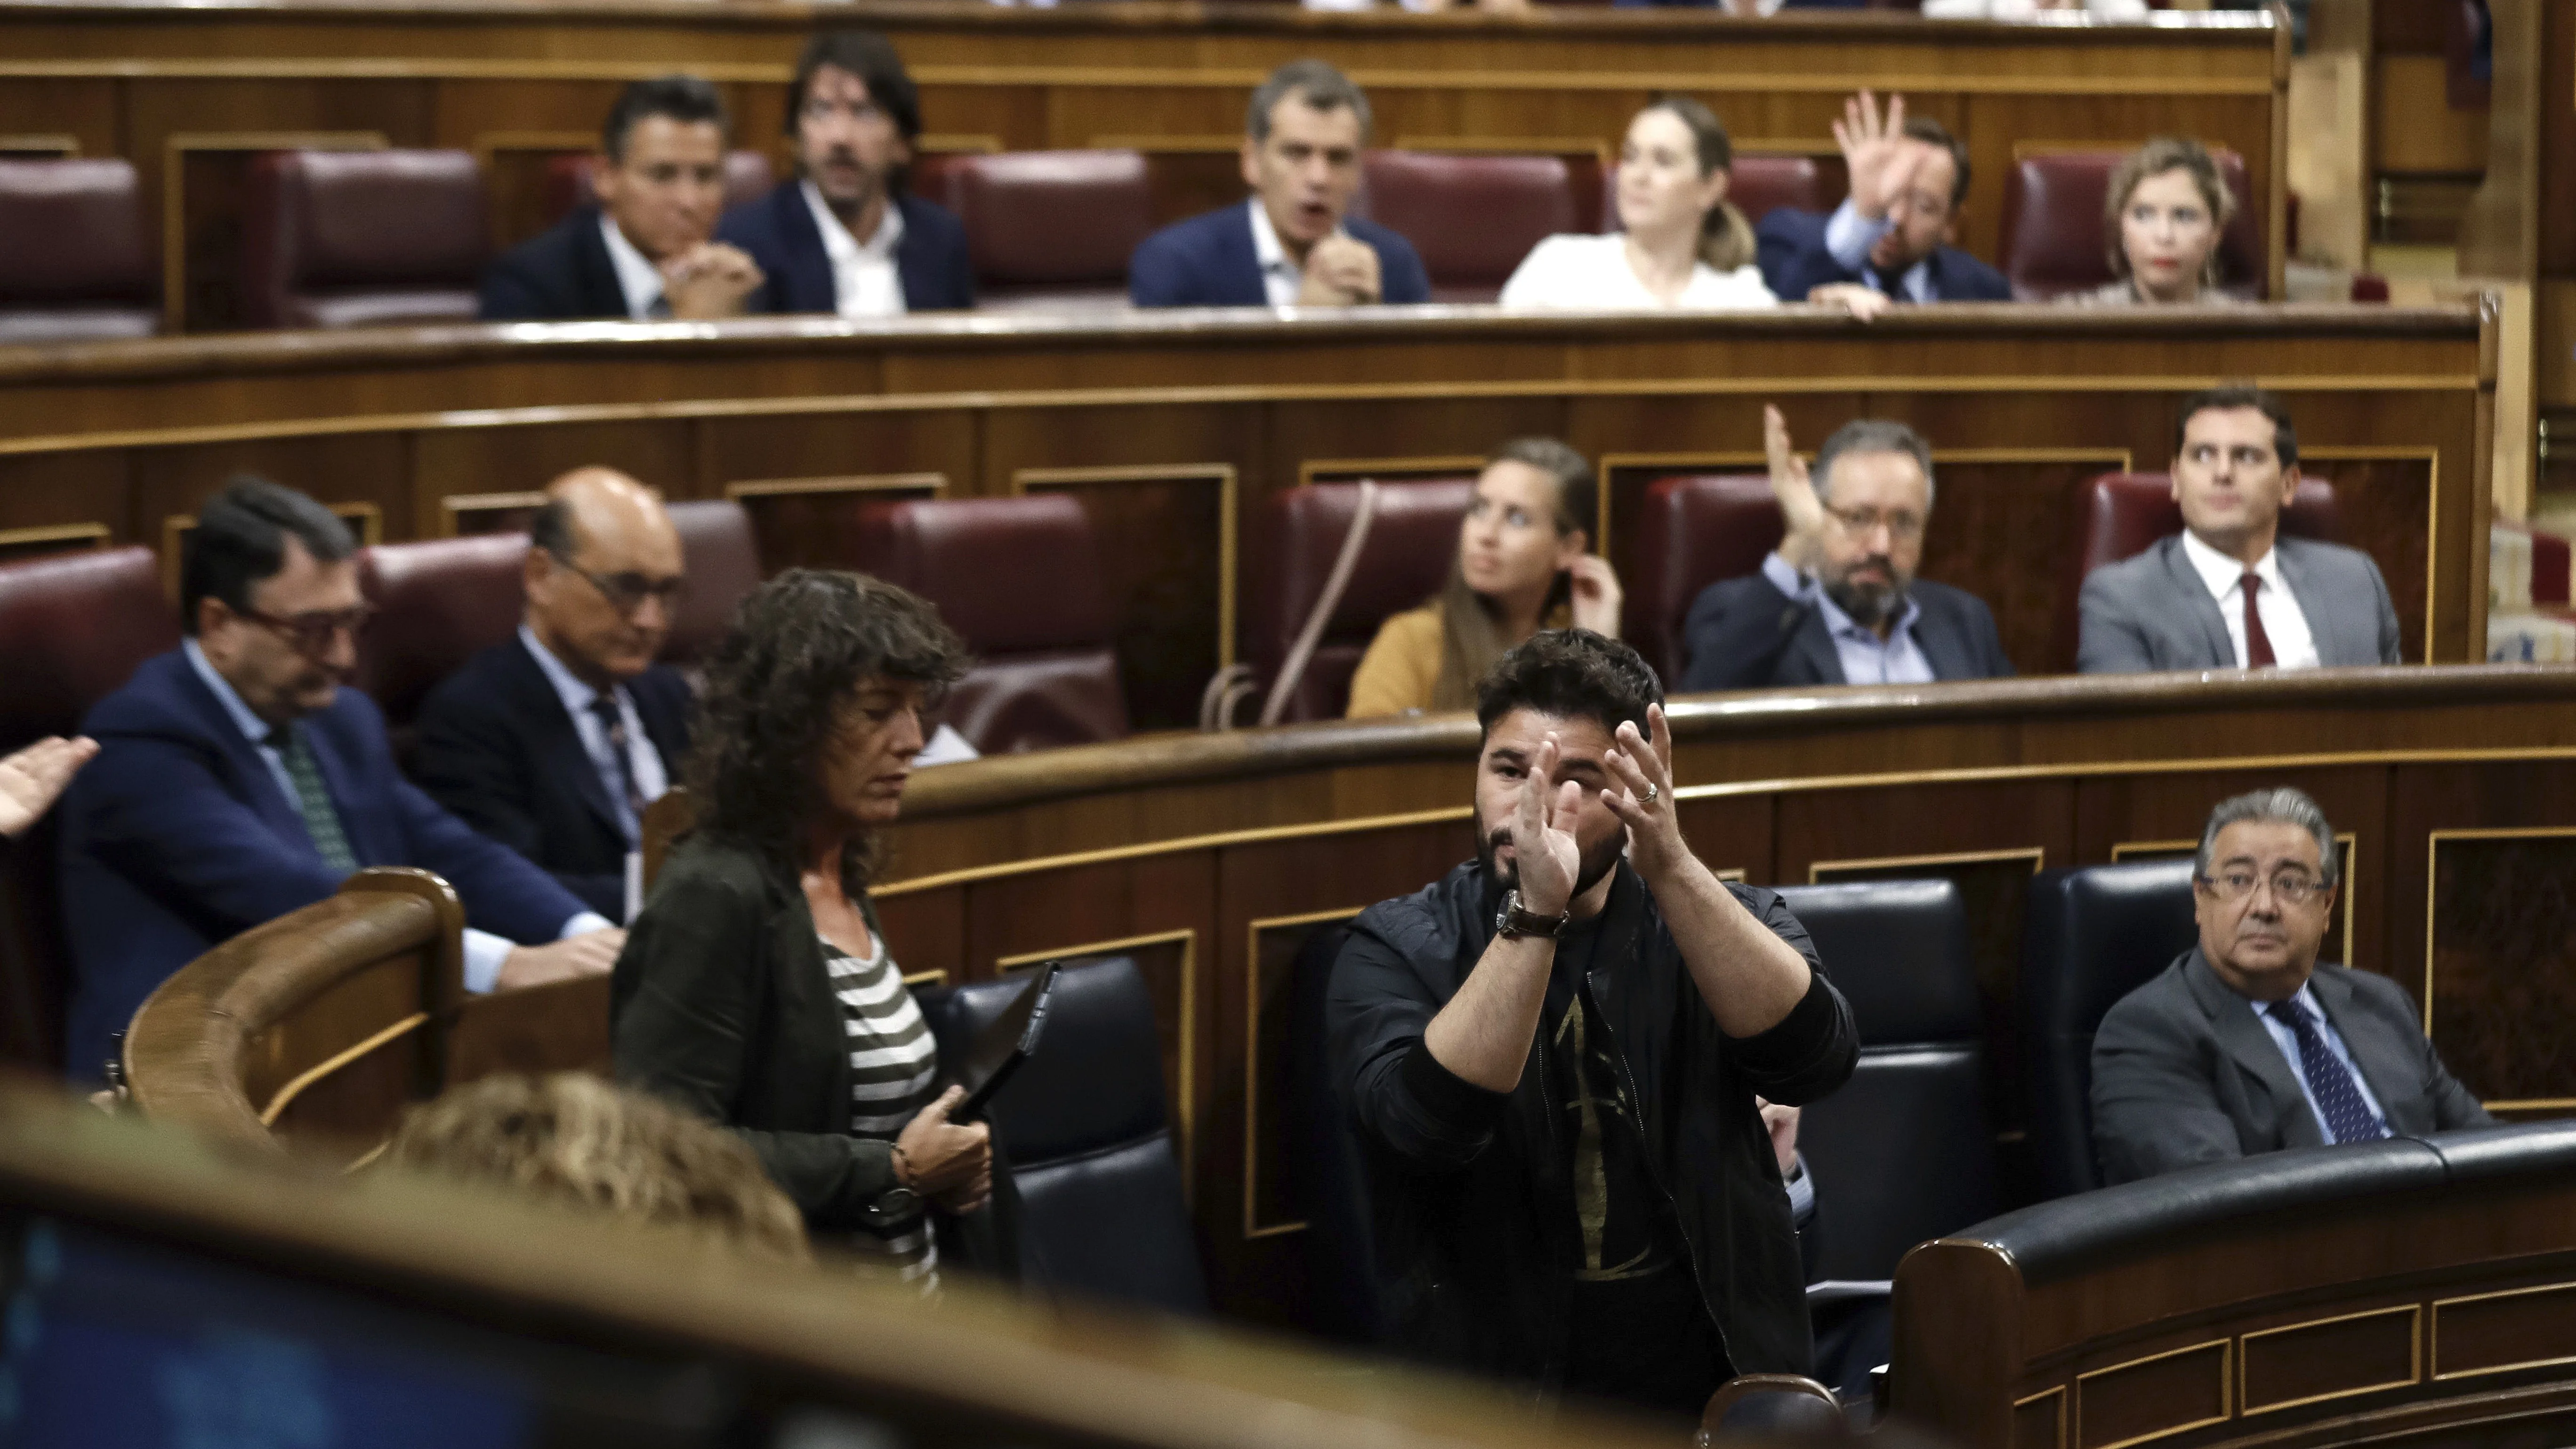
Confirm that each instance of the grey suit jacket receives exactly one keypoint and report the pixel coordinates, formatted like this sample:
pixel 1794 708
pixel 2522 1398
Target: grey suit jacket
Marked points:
pixel 2183 1072
pixel 2153 611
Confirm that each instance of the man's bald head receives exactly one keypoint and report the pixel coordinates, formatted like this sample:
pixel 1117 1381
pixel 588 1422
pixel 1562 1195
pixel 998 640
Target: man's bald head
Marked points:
pixel 603 574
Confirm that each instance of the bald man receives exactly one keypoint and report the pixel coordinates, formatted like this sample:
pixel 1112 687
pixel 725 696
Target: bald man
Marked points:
pixel 554 742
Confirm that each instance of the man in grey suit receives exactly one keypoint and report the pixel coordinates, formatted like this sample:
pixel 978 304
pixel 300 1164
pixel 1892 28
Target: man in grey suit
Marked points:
pixel 2245 1044
pixel 2228 592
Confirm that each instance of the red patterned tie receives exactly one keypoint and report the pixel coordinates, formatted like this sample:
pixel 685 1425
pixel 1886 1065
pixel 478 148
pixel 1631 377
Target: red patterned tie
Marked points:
pixel 2258 645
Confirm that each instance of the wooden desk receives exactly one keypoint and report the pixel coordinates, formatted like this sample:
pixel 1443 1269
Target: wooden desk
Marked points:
pixel 185 91
pixel 1175 428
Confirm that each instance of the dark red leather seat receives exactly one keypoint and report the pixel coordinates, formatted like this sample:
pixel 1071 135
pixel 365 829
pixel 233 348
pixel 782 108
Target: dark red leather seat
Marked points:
pixel 1472 217
pixel 1412 542
pixel 75 260
pixel 724 565
pixel 440 602
pixel 747 177
pixel 2117 515
pixel 362 238
pixel 1048 230
pixel 1692 531
pixel 72 628
pixel 2053 241
pixel 1758 185
pixel 1019 579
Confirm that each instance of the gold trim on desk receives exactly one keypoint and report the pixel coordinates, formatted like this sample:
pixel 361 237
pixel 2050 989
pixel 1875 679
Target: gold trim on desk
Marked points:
pixel 296 1085
pixel 1252 1226
pixel 2037 855
pixel 2058 1393
pixel 367 520
pixel 2226 1389
pixel 2414 1359
pixel 1312 471
pixel 2431 458
pixel 1185 1111
pixel 453 508
pixel 2441 1303
pixel 933 484
pixel 95 535
pixel 175 150
pixel 1229 491
pixel 58 146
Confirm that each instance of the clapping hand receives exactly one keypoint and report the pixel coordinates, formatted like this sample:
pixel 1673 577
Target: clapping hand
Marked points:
pixel 1881 158
pixel 1641 795
pixel 1544 853
pixel 1802 514
pixel 31 779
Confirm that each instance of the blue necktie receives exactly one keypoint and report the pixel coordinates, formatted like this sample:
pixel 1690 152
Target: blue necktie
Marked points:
pixel 2338 1096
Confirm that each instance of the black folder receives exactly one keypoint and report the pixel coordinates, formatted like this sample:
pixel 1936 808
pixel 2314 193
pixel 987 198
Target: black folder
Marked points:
pixel 999 1048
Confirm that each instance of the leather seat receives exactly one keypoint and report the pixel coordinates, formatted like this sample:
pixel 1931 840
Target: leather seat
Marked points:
pixel 1048 230
pixel 747 177
pixel 2091 936
pixel 1412 542
pixel 723 560
pixel 1472 217
pixel 1019 580
pixel 2118 515
pixel 440 602
pixel 75 259
pixel 362 238
pixel 2053 241
pixel 72 629
pixel 1905 1151
pixel 1328 1181
pixel 1758 185
pixel 1692 531
pixel 1089 1140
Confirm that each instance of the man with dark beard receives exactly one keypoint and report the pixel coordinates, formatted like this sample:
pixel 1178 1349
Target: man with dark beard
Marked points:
pixel 1552 1056
pixel 1837 602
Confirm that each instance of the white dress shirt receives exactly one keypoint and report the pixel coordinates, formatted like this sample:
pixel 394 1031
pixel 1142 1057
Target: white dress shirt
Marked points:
pixel 2293 645
pixel 637 277
pixel 2287 1039
pixel 1591 273
pixel 1280 277
pixel 1866 658
pixel 484 951
pixel 652 781
pixel 1849 236
pixel 865 280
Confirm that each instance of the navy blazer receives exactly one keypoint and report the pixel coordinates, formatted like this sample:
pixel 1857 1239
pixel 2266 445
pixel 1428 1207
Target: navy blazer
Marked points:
pixel 1208 261
pixel 778 231
pixel 496 746
pixel 1746 634
pixel 1789 246
pixel 176 838
pixel 563 275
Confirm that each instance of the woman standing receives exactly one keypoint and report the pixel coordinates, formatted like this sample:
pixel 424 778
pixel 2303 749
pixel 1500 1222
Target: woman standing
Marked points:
pixel 756 988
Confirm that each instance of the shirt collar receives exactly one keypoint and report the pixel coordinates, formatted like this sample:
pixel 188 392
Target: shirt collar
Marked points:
pixel 637 277
pixel 252 727
pixel 837 238
pixel 575 694
pixel 1266 247
pixel 2306 999
pixel 2222 573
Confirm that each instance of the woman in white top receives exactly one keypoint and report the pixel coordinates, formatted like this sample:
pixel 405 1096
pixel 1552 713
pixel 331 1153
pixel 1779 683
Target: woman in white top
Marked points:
pixel 1682 244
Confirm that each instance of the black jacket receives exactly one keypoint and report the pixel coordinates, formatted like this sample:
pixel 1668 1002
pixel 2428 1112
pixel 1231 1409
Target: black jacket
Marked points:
pixel 496 747
pixel 721 1003
pixel 778 232
pixel 563 275
pixel 1473 1217
pixel 1746 634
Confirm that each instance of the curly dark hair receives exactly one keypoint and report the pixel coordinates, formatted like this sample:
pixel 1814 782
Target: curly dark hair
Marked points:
pixel 800 646
pixel 1570 674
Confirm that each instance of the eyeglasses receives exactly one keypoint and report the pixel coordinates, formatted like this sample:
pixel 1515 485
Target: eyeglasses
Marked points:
pixel 627 592
pixel 311 634
pixel 2290 888
pixel 1862 523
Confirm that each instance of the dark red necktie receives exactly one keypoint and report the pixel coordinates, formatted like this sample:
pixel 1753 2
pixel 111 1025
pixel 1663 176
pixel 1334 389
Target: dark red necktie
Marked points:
pixel 2258 645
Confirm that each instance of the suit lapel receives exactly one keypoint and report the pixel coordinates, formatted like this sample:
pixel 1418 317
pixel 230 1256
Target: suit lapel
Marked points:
pixel 1814 645
pixel 259 784
pixel 2371 1053
pixel 2241 1035
pixel 1239 262
pixel 601 293
pixel 2213 624
pixel 555 739
pixel 1944 647
pixel 2324 625
pixel 808 281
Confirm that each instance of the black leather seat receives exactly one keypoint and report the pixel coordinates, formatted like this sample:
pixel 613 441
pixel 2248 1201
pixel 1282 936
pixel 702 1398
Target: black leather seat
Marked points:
pixel 1088 1138
pixel 1342 1288
pixel 2092 936
pixel 1905 1151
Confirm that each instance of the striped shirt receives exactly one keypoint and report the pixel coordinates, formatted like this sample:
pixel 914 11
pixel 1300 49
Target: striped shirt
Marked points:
pixel 894 1073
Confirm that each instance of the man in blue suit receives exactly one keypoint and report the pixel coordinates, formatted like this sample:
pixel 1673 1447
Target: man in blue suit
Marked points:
pixel 1294 243
pixel 237 781
pixel 1890 239
pixel 843 236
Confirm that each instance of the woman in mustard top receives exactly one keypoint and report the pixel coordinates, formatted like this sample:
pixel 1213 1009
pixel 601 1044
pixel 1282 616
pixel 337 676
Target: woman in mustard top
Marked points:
pixel 1523 564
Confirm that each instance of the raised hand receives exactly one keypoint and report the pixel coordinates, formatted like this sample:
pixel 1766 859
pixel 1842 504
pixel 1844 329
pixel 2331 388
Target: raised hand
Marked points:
pixel 34 777
pixel 1641 795
pixel 1876 151
pixel 1802 514
pixel 1596 595
pixel 1545 854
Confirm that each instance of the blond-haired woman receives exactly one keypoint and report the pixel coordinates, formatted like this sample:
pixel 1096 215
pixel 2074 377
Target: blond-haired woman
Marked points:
pixel 2162 217
pixel 1681 243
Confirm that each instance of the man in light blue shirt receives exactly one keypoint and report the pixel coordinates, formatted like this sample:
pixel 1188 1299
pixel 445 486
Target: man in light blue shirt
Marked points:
pixel 1890 239
pixel 2246 1044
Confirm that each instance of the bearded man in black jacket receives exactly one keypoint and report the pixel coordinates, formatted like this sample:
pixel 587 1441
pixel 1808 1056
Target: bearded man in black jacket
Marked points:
pixel 1553 1054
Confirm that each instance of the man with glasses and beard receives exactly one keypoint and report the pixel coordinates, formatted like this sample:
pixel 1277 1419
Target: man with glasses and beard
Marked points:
pixel 237 780
pixel 1837 602
pixel 2246 1044
pixel 1553 1055
pixel 554 742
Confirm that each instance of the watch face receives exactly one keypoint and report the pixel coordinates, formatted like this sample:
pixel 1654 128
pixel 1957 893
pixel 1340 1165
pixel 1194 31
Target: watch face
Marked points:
pixel 897 1202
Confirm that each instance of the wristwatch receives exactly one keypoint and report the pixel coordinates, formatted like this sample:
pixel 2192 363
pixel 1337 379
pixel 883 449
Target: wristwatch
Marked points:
pixel 1512 922
pixel 892 1206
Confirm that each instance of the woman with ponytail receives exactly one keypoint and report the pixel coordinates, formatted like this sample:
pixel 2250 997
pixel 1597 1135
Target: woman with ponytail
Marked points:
pixel 1681 243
